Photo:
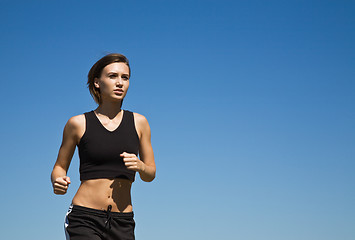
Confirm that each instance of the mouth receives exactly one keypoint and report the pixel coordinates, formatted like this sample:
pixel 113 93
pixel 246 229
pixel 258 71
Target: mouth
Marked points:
pixel 118 91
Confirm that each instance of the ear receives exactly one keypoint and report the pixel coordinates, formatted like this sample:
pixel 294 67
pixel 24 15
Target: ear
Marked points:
pixel 96 83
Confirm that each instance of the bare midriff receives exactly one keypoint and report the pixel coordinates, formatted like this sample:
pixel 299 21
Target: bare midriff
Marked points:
pixel 100 193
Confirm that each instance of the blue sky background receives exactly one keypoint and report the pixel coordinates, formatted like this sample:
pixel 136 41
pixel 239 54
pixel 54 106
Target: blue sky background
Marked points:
pixel 251 106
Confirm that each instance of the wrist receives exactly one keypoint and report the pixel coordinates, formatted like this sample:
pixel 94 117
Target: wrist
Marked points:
pixel 143 168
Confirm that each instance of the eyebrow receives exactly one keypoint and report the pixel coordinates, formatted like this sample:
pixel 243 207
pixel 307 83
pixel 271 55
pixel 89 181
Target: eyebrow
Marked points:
pixel 123 74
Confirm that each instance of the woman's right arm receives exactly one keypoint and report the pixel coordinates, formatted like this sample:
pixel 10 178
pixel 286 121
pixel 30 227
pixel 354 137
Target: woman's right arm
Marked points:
pixel 71 133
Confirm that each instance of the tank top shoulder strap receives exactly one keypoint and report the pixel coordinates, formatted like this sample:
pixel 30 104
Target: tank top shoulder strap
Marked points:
pixel 129 122
pixel 89 120
pixel 128 117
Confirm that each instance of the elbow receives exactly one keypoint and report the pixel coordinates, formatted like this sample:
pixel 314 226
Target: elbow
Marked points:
pixel 148 178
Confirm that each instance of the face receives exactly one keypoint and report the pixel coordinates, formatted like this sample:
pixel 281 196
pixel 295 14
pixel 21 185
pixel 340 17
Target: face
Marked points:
pixel 113 82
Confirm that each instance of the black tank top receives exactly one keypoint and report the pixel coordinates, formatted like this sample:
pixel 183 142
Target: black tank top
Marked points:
pixel 100 149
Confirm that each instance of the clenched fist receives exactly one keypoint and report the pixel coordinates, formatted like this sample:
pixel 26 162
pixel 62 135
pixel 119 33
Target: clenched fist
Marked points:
pixel 61 184
pixel 132 162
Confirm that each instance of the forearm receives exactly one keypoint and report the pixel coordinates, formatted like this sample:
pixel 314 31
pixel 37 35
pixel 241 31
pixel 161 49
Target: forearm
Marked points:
pixel 147 174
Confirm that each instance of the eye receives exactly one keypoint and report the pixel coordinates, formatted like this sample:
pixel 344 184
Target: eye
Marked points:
pixel 112 75
pixel 125 77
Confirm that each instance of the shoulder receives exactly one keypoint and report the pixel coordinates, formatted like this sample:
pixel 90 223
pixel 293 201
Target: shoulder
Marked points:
pixel 141 124
pixel 139 118
pixel 75 128
pixel 76 122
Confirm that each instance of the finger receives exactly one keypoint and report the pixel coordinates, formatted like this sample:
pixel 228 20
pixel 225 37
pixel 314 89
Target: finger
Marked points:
pixel 67 179
pixel 125 154
pixel 130 159
pixel 132 168
pixel 59 186
pixel 59 191
pixel 56 190
pixel 61 181
pixel 135 168
pixel 130 163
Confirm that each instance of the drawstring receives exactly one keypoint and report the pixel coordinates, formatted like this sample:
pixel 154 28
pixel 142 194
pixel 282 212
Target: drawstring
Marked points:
pixel 109 217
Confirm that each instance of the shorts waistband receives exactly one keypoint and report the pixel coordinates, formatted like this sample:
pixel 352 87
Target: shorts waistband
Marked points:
pixel 101 213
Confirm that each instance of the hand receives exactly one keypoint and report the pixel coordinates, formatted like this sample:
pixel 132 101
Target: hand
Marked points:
pixel 132 162
pixel 61 184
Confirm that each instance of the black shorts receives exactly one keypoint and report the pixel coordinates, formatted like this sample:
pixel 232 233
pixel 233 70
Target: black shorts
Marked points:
pixel 82 223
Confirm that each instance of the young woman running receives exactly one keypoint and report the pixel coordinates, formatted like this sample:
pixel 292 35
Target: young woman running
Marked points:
pixel 109 140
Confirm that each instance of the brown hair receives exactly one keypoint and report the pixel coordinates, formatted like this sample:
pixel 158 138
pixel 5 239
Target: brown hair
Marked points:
pixel 96 70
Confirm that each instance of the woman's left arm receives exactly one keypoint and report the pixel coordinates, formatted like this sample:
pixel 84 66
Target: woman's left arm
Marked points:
pixel 146 165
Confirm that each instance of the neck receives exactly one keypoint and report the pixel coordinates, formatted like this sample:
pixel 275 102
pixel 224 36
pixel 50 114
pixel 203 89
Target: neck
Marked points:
pixel 110 109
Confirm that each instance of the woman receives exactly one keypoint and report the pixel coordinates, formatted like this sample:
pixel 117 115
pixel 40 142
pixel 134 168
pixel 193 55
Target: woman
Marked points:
pixel 109 140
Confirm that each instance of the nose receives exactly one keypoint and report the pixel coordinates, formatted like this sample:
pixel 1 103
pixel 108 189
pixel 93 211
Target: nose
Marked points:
pixel 119 81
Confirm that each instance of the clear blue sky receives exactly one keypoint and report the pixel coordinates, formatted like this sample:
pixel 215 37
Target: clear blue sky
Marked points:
pixel 251 106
